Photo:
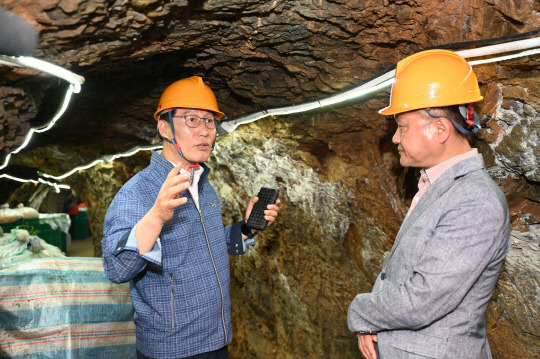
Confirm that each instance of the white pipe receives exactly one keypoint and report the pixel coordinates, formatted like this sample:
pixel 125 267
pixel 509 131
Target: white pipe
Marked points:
pixel 31 62
pixel 381 82
pixel 507 57
pixel 384 81
pixel 378 83
pixel 501 48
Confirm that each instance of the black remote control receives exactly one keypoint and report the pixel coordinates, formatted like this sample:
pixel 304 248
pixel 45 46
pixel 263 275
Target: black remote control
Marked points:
pixel 256 217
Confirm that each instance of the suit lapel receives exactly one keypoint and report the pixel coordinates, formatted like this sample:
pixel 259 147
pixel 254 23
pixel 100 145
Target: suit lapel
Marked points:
pixel 434 192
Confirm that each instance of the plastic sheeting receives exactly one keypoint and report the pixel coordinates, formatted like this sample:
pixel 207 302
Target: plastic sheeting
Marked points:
pixel 58 220
pixel 64 308
pixel 18 247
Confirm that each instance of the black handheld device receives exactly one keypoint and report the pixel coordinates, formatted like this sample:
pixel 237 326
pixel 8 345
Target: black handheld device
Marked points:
pixel 256 217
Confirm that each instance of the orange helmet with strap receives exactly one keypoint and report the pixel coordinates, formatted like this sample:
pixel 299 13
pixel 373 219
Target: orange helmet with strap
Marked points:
pixel 435 78
pixel 190 93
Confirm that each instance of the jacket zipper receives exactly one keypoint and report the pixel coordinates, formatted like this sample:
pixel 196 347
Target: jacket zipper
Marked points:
pixel 172 300
pixel 217 277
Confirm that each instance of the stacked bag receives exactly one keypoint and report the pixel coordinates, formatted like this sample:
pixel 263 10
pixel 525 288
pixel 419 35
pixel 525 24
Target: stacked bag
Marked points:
pixel 20 245
pixel 8 215
pixel 17 214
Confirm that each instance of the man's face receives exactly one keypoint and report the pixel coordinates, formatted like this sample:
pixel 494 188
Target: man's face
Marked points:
pixel 416 139
pixel 195 142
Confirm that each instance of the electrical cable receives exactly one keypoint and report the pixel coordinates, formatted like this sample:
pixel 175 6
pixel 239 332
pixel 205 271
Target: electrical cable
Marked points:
pixel 39 65
pixel 376 83
pixel 74 80
pixel 107 158
pixel 381 81
pixel 491 41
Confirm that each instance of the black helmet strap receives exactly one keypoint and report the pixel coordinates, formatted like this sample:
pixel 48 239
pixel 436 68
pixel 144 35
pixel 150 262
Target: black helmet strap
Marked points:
pixel 193 165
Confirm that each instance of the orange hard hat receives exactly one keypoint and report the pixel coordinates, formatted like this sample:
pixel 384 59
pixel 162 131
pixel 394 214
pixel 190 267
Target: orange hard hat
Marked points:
pixel 432 78
pixel 188 93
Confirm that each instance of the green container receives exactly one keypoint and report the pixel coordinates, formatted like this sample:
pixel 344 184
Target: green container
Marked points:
pixel 42 230
pixel 79 228
pixel 52 236
pixel 31 225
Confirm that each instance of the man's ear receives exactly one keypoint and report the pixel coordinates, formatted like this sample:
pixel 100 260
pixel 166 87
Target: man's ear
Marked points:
pixel 444 128
pixel 164 129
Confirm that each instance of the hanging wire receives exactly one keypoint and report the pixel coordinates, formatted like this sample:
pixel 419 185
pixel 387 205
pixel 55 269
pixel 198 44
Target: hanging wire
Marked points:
pixel 74 80
pixel 521 46
pixel 384 80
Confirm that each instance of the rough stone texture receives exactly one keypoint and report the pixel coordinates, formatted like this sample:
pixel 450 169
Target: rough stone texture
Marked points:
pixel 324 248
pixel 13 126
pixel 109 177
pixel 343 192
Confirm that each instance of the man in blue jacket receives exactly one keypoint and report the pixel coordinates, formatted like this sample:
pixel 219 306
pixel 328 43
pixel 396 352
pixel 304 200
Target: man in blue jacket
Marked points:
pixel 430 299
pixel 164 233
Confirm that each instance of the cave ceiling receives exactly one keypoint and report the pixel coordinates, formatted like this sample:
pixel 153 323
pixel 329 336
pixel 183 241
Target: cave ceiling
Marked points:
pixel 254 54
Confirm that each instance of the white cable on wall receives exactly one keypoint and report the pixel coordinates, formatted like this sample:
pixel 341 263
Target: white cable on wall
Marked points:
pixel 528 47
pixel 501 48
pixel 39 65
pixel 107 158
pixel 74 80
pixel 385 81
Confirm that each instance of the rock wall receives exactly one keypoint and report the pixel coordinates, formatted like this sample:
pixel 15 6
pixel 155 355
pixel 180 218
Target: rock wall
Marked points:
pixel 343 192
pixel 344 198
pixel 512 138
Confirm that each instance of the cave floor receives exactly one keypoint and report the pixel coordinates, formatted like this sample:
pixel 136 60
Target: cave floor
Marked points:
pixel 80 248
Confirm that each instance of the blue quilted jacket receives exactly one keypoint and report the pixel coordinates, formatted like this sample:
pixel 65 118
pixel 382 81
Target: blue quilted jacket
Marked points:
pixel 181 296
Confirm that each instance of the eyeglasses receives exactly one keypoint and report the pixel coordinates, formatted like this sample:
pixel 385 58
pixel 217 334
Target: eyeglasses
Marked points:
pixel 194 121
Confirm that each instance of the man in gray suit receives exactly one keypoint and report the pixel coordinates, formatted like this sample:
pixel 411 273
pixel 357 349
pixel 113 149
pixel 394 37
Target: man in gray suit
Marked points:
pixel 430 299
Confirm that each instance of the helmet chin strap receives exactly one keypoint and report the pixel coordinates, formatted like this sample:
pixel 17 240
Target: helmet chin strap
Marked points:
pixel 192 165
pixel 469 114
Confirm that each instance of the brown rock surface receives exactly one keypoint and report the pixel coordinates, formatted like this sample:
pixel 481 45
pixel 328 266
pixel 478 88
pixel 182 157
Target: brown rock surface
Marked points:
pixel 344 194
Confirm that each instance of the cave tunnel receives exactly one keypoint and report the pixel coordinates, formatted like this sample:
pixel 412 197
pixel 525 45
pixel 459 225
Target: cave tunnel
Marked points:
pixel 343 192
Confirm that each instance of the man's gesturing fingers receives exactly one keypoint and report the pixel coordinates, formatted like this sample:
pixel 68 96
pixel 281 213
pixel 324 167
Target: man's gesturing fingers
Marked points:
pixel 271 212
pixel 169 195
pixel 176 183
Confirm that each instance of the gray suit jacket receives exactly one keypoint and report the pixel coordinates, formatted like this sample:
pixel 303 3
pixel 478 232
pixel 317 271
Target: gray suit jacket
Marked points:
pixel 431 297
